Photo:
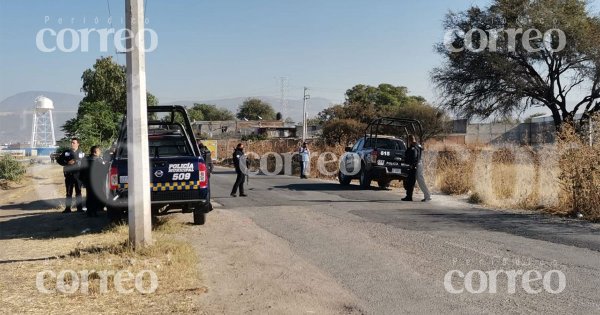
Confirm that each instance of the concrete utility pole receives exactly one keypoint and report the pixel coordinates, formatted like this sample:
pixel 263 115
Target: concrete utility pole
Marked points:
pixel 138 161
pixel 284 104
pixel 304 128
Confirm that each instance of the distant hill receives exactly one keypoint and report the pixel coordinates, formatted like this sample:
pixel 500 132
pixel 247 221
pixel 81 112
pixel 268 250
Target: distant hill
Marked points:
pixel 16 111
pixel 16 114
pixel 315 105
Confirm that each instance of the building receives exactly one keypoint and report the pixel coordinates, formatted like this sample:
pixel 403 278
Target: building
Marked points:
pixel 314 131
pixel 538 131
pixel 239 128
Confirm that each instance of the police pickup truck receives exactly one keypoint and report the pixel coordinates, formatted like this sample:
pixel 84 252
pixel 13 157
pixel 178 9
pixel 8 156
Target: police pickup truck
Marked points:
pixel 178 173
pixel 379 157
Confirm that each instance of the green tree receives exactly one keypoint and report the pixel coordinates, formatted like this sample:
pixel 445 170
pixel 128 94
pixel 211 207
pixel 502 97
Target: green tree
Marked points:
pixel 434 121
pixel 364 103
pixel 195 114
pixel 103 105
pixel 383 97
pixel 253 108
pixel 95 124
pixel 332 112
pixel 525 69
pixel 342 131
pixel 208 112
pixel 107 82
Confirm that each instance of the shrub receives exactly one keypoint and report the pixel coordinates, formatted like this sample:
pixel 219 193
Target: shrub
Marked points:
pixel 254 137
pixel 454 176
pixel 11 169
pixel 475 198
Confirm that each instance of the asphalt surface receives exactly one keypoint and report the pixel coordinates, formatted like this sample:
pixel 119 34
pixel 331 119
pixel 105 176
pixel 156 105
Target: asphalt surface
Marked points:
pixel 394 256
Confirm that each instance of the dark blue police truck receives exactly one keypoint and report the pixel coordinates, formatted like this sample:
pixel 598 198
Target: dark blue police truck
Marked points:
pixel 179 178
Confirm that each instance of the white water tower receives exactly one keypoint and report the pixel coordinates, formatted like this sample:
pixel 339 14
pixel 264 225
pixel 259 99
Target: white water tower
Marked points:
pixel 43 124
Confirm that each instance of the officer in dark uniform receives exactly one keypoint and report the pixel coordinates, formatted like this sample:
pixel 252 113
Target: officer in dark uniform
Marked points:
pixel 71 162
pixel 92 175
pixel 238 157
pixel 411 157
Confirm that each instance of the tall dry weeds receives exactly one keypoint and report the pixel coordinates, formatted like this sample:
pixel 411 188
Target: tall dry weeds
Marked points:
pixel 564 177
pixel 580 173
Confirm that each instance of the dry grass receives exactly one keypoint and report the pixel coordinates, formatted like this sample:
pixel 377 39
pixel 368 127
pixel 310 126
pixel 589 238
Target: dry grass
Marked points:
pixel 580 174
pixel 562 179
pixel 172 260
pixel 452 171
pixel 506 177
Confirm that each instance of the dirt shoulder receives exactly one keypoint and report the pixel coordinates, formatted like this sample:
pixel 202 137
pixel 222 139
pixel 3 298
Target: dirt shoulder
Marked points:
pixel 37 239
pixel 248 269
pixel 228 266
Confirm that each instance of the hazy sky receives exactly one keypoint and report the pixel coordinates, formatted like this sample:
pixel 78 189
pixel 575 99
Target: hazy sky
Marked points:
pixel 226 48
pixel 231 48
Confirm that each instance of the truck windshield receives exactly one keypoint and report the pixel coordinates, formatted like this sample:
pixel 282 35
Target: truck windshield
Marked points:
pixel 165 146
pixel 383 143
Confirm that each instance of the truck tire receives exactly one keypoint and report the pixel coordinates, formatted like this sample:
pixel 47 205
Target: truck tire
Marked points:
pixel 383 183
pixel 365 178
pixel 344 180
pixel 200 212
pixel 199 217
pixel 115 214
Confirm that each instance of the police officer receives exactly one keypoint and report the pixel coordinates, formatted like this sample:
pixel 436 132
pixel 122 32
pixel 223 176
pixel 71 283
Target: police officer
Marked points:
pixel 411 157
pixel 92 175
pixel 304 159
pixel 421 176
pixel 238 157
pixel 71 162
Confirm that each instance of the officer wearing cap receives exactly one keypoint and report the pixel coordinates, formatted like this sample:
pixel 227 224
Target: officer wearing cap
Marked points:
pixel 71 162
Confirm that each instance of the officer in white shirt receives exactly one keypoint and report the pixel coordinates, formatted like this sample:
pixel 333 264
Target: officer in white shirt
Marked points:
pixel 304 159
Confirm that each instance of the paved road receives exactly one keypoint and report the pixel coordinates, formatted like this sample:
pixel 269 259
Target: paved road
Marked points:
pixel 394 256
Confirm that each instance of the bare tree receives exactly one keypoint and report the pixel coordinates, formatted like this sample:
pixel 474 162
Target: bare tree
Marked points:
pixel 518 54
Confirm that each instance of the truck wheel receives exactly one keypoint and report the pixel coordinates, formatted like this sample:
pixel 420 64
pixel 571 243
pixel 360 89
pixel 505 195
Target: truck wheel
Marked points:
pixel 199 217
pixel 384 184
pixel 200 213
pixel 365 179
pixel 344 180
pixel 114 215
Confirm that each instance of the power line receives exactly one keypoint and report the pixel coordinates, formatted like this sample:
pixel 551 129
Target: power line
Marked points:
pixel 112 27
pixel 324 89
